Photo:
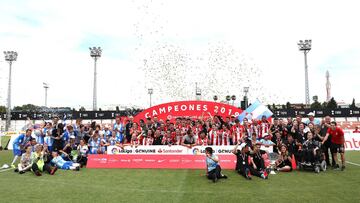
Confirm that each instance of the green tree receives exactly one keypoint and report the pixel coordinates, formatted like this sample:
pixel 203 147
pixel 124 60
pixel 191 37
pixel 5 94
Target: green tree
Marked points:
pixel 27 108
pixel 273 106
pixel 288 105
pixel 2 109
pixel 82 109
pixel 353 106
pixel 316 105
pixel 332 104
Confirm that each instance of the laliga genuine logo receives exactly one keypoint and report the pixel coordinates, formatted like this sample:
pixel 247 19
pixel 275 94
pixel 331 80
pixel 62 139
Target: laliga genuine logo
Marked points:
pixel 115 151
pixel 160 151
pixel 196 151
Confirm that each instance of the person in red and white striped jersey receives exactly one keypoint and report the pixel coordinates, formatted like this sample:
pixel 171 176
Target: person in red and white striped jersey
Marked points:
pixel 202 139
pixel 237 131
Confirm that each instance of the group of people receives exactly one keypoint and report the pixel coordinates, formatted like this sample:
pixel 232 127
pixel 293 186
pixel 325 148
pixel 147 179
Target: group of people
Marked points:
pixel 66 144
pixel 298 141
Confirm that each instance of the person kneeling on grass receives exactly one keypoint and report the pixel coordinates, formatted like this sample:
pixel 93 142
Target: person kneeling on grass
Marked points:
pixel 284 162
pixel 62 164
pixel 213 171
pixel 25 161
pixel 38 159
pixel 244 164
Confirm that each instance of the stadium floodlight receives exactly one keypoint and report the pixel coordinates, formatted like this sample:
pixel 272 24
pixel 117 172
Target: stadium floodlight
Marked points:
pixel 246 100
pixel 150 92
pixel 95 53
pixel 10 56
pixel 305 46
pixel 233 98
pixel 215 98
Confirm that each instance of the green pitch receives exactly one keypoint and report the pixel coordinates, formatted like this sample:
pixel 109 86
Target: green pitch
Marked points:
pixel 155 185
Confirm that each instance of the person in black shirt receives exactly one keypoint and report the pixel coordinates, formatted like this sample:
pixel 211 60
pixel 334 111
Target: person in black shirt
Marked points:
pixel 309 149
pixel 128 126
pixel 258 160
pixel 157 138
pixel 293 149
pixel 326 146
pixel 284 162
pixel 243 167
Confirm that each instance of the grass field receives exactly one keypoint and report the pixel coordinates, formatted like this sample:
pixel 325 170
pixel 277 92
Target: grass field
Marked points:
pixel 155 185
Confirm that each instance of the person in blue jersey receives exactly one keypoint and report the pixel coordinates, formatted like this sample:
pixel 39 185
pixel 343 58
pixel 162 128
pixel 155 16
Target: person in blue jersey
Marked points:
pixel 48 140
pixel 119 129
pixel 31 144
pixel 106 132
pixel 94 143
pixel 19 144
pixel 59 162
pixel 213 169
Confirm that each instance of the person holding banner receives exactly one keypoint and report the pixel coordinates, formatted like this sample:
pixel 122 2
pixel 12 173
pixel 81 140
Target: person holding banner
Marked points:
pixel 213 169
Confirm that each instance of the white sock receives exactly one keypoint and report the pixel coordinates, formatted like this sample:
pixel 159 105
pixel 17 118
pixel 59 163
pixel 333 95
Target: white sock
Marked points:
pixel 72 167
pixel 15 159
pixel 76 164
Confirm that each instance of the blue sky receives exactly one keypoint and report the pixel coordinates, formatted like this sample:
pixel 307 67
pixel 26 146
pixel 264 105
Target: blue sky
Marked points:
pixel 210 38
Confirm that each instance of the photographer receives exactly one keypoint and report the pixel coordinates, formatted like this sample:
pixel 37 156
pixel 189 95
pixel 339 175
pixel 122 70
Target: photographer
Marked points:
pixel 213 169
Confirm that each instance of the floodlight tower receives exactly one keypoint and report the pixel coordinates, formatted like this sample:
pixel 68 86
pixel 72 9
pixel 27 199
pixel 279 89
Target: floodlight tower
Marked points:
pixel 305 46
pixel 10 56
pixel 95 53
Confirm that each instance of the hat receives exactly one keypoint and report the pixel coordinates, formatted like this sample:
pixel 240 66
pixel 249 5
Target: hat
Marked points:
pixel 72 136
pixel 266 135
pixel 311 114
pixel 242 145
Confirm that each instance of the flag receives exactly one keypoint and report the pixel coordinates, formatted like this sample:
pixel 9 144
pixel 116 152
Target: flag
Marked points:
pixel 255 110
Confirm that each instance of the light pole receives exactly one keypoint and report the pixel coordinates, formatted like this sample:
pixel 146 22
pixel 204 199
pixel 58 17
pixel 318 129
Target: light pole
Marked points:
pixel 46 87
pixel 150 92
pixel 305 46
pixel 233 98
pixel 215 98
pixel 246 101
pixel 228 98
pixel 95 53
pixel 10 56
pixel 197 92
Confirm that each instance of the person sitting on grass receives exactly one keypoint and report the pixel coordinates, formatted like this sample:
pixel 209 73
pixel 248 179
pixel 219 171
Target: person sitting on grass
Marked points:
pixel 310 147
pixel 38 159
pixel 59 162
pixel 19 144
pixel 284 162
pixel 68 151
pixel 213 169
pixel 82 152
pixel 25 161
pixel 245 165
pixel 258 160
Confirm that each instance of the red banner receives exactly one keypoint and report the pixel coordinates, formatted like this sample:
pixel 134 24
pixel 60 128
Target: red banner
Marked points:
pixel 156 161
pixel 192 109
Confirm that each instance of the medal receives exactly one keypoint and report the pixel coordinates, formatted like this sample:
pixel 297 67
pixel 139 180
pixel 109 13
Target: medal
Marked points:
pixel 243 162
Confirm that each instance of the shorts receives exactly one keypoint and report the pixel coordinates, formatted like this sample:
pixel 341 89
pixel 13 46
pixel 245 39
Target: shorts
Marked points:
pixel 337 148
pixel 16 150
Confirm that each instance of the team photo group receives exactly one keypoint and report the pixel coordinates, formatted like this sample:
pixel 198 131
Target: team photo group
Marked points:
pixel 294 142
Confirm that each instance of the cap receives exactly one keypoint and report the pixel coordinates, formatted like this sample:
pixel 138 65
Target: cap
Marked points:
pixel 311 114
pixel 266 135
pixel 242 145
pixel 72 136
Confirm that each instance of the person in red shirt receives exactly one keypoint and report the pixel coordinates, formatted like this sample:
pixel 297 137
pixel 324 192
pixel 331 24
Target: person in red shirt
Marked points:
pixel 337 143
pixel 356 130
